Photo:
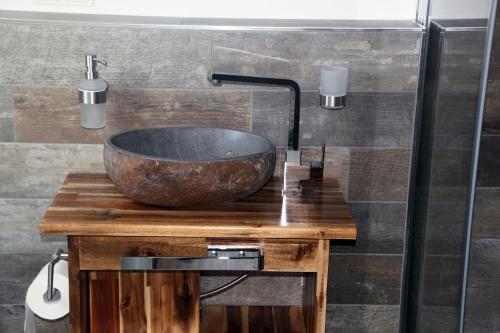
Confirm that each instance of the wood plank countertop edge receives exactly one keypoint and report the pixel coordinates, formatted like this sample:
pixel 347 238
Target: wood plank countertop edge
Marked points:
pixel 270 232
pixel 310 214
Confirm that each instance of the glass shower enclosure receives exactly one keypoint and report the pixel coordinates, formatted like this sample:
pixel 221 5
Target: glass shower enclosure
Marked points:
pixel 453 253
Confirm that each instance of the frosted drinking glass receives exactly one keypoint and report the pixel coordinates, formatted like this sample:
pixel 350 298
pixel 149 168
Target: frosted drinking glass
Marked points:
pixel 334 81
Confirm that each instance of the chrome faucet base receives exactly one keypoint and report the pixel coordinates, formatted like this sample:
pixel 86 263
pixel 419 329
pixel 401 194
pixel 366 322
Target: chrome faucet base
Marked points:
pixel 297 169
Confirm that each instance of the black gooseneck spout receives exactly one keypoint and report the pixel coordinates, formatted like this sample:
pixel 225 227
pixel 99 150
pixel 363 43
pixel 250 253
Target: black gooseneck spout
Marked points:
pixel 293 131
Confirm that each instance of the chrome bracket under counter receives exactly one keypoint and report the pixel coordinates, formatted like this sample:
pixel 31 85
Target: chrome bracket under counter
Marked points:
pixel 220 258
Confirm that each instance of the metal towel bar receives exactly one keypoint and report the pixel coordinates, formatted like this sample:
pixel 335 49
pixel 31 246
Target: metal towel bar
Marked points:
pixel 218 259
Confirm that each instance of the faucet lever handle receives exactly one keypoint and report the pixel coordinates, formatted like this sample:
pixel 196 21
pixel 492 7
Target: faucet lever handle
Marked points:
pixel 318 167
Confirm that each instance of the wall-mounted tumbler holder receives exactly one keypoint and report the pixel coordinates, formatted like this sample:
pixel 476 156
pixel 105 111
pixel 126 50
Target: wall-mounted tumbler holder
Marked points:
pixel 333 87
pixel 52 294
pixel 332 102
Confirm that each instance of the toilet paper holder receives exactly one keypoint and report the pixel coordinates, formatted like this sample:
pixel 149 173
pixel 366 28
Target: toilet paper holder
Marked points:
pixel 52 294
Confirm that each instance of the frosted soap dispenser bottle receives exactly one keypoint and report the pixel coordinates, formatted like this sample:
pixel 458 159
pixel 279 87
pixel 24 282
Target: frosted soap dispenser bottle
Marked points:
pixel 92 94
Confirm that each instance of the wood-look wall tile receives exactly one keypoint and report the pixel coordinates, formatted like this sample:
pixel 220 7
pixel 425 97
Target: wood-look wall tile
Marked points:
pixel 489 163
pixel 483 290
pixel 7 132
pixel 12 321
pixel 38 170
pixel 368 120
pixel 454 120
pixel 19 219
pixel 137 57
pixel 441 280
pixel 31 183
pixel 156 108
pixel 379 174
pixel 51 157
pixel 453 194
pixel 362 319
pixel 51 113
pixel 378 60
pixel 381 228
pixel 266 289
pixel 461 61
pixel 494 73
pixel 16 273
pixel 364 279
pixel 439 319
pixel 336 164
pixel 451 167
pixel 486 222
pixel 491 119
pixel 444 234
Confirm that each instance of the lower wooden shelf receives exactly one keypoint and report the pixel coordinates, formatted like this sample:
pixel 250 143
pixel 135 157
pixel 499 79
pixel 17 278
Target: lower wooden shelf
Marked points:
pixel 252 319
pixel 168 302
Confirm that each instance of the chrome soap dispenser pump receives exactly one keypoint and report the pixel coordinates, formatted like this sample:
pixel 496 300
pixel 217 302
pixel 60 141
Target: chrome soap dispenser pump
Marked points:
pixel 92 94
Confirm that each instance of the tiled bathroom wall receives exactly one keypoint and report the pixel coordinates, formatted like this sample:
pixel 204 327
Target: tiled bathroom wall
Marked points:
pixel 483 291
pixel 157 77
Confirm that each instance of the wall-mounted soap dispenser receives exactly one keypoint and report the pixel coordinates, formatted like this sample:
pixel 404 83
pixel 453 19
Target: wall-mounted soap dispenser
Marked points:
pixel 92 95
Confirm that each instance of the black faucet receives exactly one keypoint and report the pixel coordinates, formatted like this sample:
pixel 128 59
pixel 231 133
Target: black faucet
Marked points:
pixel 293 129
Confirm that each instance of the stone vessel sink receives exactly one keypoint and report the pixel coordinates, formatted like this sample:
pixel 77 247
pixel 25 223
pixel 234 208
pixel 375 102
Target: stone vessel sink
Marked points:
pixel 188 166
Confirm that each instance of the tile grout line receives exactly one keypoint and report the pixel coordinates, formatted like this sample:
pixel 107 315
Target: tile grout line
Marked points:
pixel 69 144
pixel 377 202
pixel 361 305
pixel 209 88
pixel 368 254
pixel 47 198
pixel 28 252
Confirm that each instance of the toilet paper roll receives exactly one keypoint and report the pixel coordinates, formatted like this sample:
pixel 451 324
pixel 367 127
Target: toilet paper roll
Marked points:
pixel 34 297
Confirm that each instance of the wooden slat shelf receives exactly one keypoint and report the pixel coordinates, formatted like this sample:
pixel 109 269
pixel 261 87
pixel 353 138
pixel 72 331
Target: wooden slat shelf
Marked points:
pixel 89 204
pixel 252 319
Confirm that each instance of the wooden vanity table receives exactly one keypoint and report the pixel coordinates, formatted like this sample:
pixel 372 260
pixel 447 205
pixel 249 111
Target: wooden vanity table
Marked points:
pixel 293 233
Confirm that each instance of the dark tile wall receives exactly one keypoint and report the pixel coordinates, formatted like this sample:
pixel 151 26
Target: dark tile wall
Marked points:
pixel 157 77
pixel 483 290
pixel 451 92
pixel 362 318
pixel 355 126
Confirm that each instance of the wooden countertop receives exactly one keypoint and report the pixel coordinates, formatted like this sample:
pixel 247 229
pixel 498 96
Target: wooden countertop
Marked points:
pixel 89 204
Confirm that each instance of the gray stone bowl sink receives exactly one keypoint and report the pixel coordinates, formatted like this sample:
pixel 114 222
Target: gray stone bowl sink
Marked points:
pixel 188 166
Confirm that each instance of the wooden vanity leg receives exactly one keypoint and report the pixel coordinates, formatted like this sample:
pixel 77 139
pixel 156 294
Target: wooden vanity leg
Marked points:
pixel 78 289
pixel 314 302
pixel 321 285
